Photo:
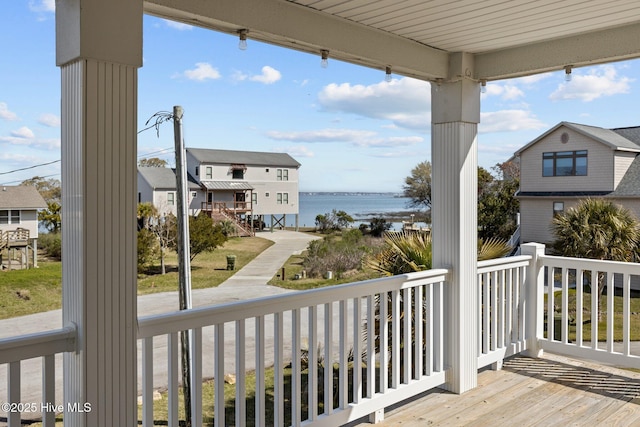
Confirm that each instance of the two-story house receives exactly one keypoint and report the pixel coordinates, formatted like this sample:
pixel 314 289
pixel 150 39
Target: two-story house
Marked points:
pixel 253 186
pixel 570 162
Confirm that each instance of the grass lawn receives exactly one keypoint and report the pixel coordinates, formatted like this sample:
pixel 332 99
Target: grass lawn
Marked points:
pixel 634 325
pixel 31 291
pixel 208 269
pixel 294 266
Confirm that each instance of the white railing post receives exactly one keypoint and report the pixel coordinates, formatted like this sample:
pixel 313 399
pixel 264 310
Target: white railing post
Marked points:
pixel 534 299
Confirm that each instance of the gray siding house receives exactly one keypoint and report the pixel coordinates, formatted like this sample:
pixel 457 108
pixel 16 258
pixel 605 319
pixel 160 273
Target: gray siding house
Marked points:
pixel 158 186
pixel 571 162
pixel 255 186
pixel 250 188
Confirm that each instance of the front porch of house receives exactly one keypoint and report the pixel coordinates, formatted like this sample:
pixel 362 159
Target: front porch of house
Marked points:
pixel 435 329
pixel 341 330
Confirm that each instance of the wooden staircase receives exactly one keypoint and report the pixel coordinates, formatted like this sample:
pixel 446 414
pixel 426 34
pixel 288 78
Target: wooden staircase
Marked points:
pixel 224 214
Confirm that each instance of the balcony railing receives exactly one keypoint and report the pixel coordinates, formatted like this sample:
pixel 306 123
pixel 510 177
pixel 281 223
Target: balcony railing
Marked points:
pixel 348 351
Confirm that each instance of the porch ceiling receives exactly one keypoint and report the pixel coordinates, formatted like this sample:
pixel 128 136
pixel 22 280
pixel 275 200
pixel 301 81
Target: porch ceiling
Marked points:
pixel 415 37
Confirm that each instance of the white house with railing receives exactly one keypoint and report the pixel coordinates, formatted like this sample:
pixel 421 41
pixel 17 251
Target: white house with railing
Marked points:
pixel 465 314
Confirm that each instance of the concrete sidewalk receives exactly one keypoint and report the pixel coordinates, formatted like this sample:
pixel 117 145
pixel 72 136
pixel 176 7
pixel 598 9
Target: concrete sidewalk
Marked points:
pixel 249 282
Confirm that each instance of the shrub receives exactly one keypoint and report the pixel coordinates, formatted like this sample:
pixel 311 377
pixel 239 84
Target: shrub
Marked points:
pixel 147 249
pixel 51 244
pixel 336 253
pixel 379 226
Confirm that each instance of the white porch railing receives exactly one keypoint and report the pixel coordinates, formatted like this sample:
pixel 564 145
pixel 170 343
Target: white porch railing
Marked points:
pixel 568 308
pixel 402 314
pixel 340 331
pixel 15 350
pixel 501 323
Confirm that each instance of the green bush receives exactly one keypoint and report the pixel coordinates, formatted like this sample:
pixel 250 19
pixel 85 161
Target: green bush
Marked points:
pixel 51 244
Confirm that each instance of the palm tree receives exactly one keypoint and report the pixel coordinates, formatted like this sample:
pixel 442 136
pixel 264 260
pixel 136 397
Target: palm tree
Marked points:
pixel 407 251
pixel 597 229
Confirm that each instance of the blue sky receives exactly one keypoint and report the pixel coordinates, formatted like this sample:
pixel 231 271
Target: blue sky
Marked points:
pixel 351 130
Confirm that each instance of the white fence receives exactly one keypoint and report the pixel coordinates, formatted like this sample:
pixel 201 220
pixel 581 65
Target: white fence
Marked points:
pixel 339 330
pixel 340 353
pixel 44 345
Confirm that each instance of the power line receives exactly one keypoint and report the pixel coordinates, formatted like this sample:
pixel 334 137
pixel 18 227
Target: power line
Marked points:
pixel 29 167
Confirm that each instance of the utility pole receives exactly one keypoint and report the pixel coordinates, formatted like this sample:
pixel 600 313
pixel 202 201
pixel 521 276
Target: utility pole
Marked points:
pixel 184 255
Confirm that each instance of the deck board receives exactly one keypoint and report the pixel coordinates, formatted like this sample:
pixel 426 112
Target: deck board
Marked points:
pixel 549 391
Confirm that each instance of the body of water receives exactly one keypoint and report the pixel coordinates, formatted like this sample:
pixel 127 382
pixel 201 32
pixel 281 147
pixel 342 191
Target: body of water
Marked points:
pixel 361 206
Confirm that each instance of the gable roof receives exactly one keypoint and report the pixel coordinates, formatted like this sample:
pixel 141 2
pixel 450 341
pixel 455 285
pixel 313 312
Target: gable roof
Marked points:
pixel 621 139
pixel 21 197
pixel 164 178
pixel 254 158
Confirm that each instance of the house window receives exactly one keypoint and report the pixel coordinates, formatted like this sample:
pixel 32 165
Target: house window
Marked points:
pixel 564 163
pixel 171 198
pixel 197 170
pixel 238 174
pixel 558 208
pixel 282 198
pixel 266 194
pixel 9 216
pixel 254 198
pixel 208 172
pixel 282 174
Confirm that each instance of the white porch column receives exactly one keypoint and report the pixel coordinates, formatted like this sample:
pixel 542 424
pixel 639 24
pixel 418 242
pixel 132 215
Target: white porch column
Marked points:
pixel 455 117
pixel 99 49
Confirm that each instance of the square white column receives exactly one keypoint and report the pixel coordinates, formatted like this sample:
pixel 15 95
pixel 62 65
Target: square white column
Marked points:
pixel 99 49
pixel 455 118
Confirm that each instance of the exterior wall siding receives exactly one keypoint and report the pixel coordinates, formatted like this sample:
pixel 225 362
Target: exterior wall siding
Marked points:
pixel 622 161
pixel 264 180
pixel 28 220
pixel 600 165
pixel 536 216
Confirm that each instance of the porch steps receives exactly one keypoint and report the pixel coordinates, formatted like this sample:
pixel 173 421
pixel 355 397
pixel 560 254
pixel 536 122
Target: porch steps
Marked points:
pixel 241 230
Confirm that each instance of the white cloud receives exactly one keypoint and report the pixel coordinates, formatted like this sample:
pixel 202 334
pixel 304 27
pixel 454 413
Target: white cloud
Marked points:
pixel 269 75
pixel 239 76
pixel 322 135
pixel 178 25
pixel 203 71
pixel 26 138
pixel 6 114
pixel 50 120
pixel 509 121
pixel 358 138
pixel 23 132
pixel 295 151
pixel 47 144
pixel 600 81
pixel 506 92
pixel 42 6
pixel 405 101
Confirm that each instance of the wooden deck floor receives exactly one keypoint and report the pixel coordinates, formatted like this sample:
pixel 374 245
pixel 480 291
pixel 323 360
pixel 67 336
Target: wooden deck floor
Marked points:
pixel 550 391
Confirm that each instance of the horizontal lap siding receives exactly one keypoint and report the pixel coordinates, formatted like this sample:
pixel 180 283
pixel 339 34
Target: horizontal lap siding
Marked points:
pixel 599 165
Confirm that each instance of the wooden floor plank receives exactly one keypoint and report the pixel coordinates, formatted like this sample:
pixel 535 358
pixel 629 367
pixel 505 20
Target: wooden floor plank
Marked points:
pixel 548 391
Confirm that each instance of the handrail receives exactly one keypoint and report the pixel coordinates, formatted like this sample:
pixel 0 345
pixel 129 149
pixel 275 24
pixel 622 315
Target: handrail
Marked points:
pixel 176 321
pixel 495 264
pixel 38 344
